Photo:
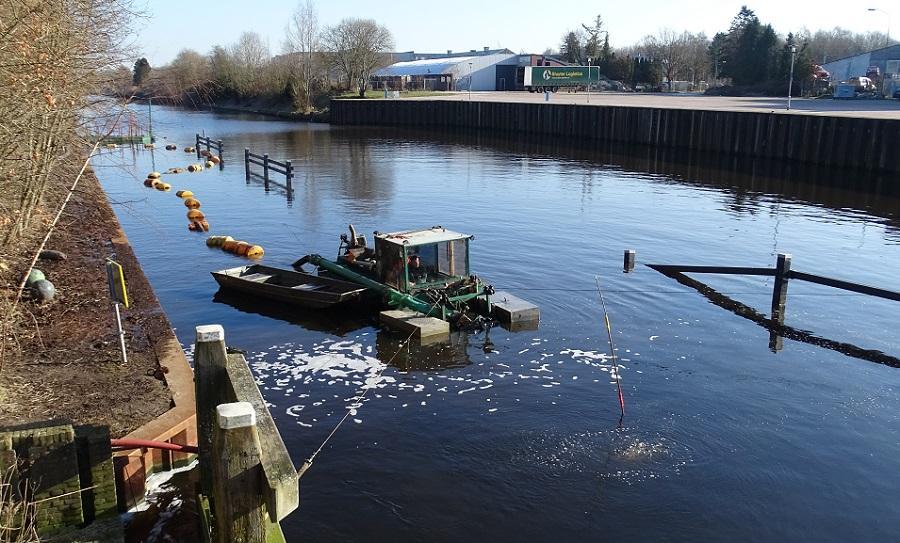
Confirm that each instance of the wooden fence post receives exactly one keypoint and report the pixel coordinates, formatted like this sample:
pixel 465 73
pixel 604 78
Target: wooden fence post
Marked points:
pixel 197 145
pixel 221 155
pixel 266 170
pixel 240 507
pixel 247 163
pixel 779 298
pixel 630 256
pixel 289 175
pixel 210 377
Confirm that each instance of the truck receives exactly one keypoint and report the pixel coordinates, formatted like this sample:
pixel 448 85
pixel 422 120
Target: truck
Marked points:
pixel 552 78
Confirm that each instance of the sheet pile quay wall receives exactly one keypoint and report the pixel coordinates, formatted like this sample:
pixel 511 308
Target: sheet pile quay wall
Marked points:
pixel 847 142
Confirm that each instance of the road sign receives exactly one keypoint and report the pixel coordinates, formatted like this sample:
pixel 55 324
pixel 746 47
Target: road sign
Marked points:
pixel 116 279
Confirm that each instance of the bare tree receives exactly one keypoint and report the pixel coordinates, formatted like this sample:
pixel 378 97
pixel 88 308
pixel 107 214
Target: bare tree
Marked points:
pixel 250 55
pixel 671 50
pixel 303 40
pixel 353 46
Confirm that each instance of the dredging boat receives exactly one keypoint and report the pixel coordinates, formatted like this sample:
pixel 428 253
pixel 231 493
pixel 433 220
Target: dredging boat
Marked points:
pixel 424 271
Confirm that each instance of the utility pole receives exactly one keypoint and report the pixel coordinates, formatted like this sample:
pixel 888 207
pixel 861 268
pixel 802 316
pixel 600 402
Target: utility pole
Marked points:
pixel 791 81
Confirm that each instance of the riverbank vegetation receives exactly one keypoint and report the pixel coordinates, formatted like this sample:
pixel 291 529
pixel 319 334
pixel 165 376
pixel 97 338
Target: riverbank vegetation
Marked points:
pixel 53 54
pixel 315 62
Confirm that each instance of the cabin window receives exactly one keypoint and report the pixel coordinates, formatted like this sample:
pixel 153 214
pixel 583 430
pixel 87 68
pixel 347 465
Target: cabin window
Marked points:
pixel 452 258
pixel 390 265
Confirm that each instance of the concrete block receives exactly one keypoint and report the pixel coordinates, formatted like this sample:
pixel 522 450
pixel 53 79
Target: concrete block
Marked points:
pixel 511 310
pixel 427 329
pixel 236 415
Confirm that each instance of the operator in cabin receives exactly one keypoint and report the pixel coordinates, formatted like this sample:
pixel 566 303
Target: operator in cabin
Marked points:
pixel 416 269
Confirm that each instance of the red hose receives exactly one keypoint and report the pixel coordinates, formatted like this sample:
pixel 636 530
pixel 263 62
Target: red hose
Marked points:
pixel 126 444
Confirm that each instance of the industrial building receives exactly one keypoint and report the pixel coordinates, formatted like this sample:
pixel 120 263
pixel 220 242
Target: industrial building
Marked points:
pixel 486 70
pixel 886 59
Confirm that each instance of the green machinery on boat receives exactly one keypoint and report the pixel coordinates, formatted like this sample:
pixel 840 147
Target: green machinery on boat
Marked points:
pixel 424 270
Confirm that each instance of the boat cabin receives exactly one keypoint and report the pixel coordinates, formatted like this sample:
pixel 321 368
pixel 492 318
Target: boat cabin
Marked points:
pixel 419 259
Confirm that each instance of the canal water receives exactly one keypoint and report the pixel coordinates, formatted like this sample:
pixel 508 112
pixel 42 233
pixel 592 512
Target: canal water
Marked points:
pixel 512 436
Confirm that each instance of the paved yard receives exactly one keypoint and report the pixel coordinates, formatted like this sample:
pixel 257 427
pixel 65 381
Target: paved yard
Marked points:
pixel 876 109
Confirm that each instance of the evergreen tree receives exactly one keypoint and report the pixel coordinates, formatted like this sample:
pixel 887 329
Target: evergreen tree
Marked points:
pixel 571 50
pixel 141 71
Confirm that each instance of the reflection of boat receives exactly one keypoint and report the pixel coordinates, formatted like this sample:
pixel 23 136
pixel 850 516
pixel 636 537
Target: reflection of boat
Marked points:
pixel 336 320
pixel 290 287
pixel 426 271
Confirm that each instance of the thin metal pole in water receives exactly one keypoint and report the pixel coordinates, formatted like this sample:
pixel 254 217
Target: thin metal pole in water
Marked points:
pixel 612 349
pixel 121 334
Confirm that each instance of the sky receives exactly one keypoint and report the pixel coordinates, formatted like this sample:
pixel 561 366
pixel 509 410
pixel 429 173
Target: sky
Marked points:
pixel 521 26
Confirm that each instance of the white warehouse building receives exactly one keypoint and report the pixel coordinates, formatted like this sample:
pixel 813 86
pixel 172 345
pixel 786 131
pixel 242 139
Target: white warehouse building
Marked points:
pixel 473 72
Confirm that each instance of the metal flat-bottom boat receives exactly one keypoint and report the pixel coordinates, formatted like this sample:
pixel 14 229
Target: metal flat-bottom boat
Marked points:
pixel 290 287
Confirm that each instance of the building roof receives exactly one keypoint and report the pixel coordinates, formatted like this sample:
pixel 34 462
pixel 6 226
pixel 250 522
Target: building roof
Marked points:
pixel 431 66
pixel 863 53
pixel 424 236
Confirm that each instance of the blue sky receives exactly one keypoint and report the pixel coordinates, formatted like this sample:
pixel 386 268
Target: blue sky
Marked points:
pixel 525 25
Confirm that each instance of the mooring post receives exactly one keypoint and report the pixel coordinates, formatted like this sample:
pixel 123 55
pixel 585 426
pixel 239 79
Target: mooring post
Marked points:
pixel 630 256
pixel 221 158
pixel 209 383
pixel 247 163
pixel 197 145
pixel 289 175
pixel 779 298
pixel 239 506
pixel 266 170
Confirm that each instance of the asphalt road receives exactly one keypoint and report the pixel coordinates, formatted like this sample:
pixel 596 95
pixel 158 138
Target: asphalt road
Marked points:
pixel 875 109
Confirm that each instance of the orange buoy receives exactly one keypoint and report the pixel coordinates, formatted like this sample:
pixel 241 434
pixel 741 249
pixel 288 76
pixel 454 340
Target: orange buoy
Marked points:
pixel 165 187
pixel 149 182
pixel 191 203
pixel 195 215
pixel 214 159
pixel 255 251
pixel 228 245
pixel 204 152
pixel 241 248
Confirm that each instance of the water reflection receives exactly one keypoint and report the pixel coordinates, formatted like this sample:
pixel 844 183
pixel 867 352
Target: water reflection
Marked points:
pixel 748 181
pixel 777 329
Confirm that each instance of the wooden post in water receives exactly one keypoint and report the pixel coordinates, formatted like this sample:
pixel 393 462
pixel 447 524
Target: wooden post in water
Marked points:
pixel 221 153
pixel 197 145
pixel 266 170
pixel 630 256
pixel 289 176
pixel 210 377
pixel 238 484
pixel 779 298
pixel 247 164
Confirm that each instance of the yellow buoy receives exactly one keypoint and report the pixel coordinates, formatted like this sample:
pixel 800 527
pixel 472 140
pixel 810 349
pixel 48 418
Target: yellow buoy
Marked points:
pixel 154 175
pixel 165 187
pixel 255 251
pixel 184 194
pixel 209 164
pixel 195 215
pixel 191 203
pixel 189 150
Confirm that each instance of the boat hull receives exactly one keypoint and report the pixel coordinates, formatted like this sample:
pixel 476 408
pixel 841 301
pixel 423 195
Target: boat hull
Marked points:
pixel 289 287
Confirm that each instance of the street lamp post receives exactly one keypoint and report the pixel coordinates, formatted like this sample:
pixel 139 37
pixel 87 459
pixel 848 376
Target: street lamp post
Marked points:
pixel 470 81
pixel 589 80
pixel 791 81
pixel 888 15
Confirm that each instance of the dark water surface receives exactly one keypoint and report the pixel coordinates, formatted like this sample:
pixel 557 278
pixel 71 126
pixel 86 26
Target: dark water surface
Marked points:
pixel 723 439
